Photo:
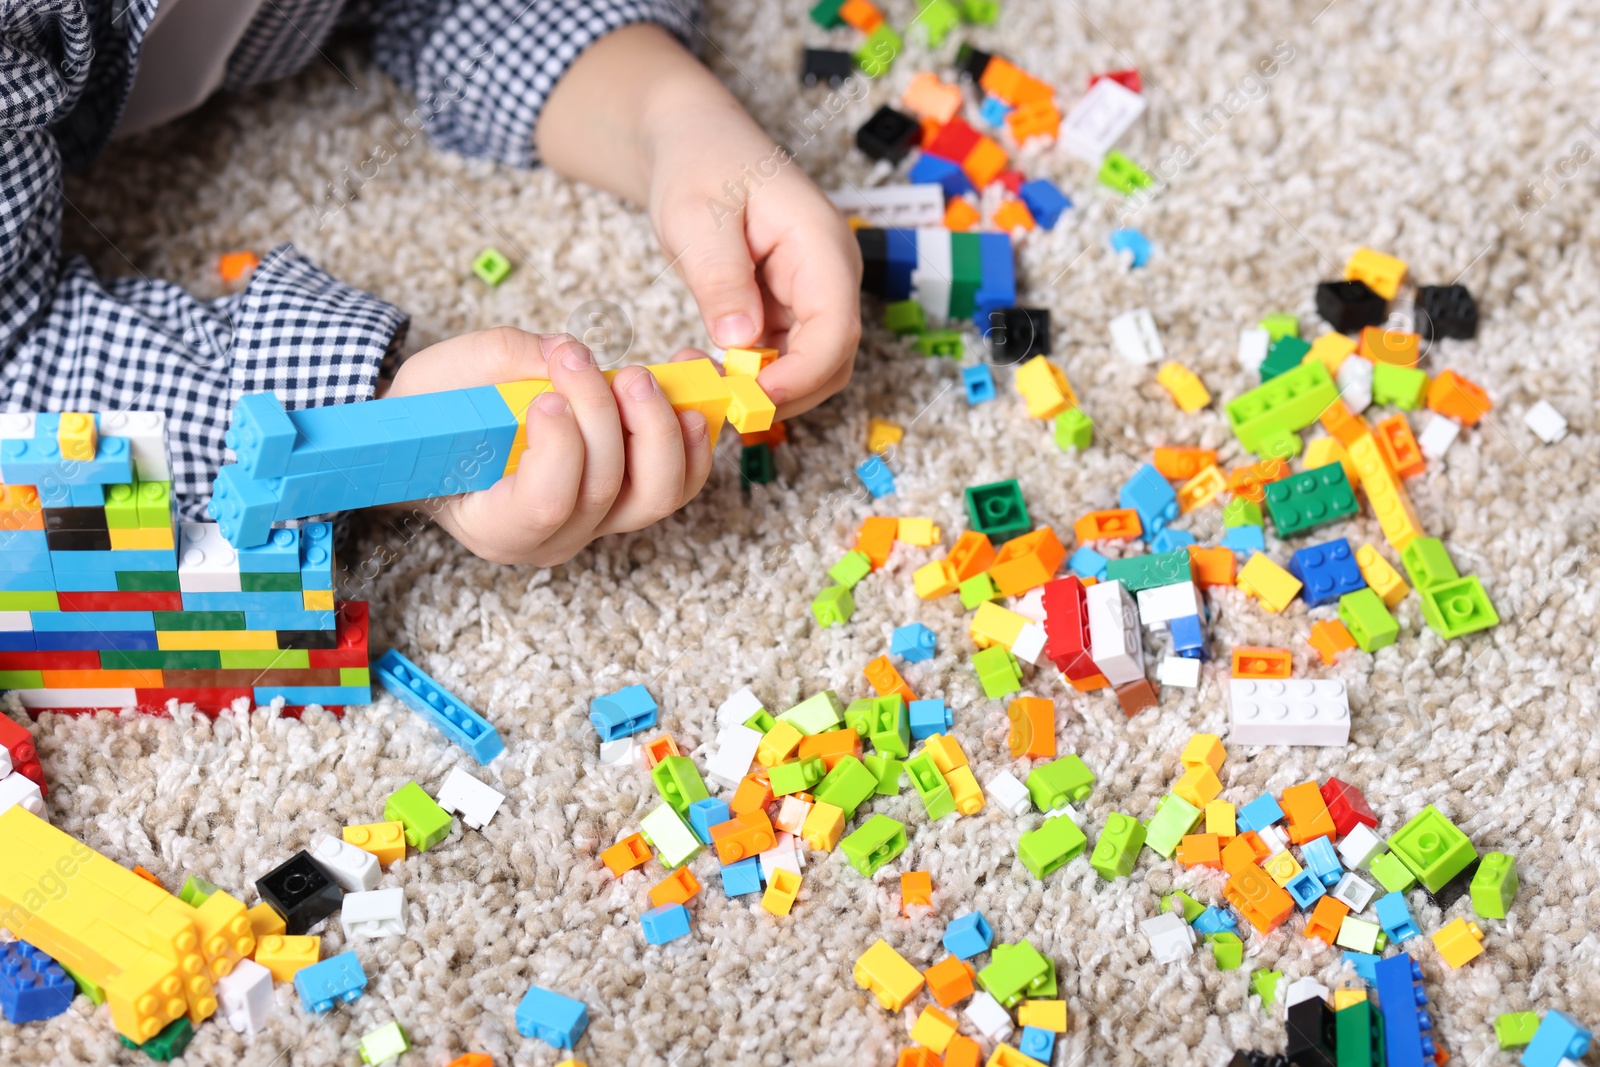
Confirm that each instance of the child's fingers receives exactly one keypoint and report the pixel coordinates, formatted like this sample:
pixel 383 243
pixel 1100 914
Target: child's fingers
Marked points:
pixel 483 357
pixel 697 454
pixel 655 451
pixel 574 375
pixel 822 342
pixel 717 267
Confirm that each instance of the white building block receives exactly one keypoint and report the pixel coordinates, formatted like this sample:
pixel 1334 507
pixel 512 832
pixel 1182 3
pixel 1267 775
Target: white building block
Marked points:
pixel 1029 605
pixel 1114 633
pixel 206 562
pixel 1355 383
pixel 1298 711
pixel 737 709
pixel 1029 645
pixel 16 621
pixel 1162 604
pixel 1253 345
pixel 1099 119
pixel 931 277
pixel 1180 671
pixel 783 855
pixel 1135 337
pixel 1009 795
pixel 616 753
pixel 1548 424
pixel 1359 846
pixel 1072 813
pixel 146 432
pixel 20 791
pixel 1354 891
pixel 1274 838
pixel 988 1017
pixel 1171 939
pixel 375 913
pixel 736 750
pixel 1357 934
pixel 1303 989
pixel 893 206
pixel 78 698
pixel 18 425
pixel 464 795
pixel 353 868
pixel 1437 437
pixel 244 997
pixel 792 812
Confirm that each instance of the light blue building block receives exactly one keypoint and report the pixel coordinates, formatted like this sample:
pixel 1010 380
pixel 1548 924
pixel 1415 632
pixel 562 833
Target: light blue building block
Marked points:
pixel 994 110
pixel 86 582
pixel 289 620
pixel 1169 539
pixel 929 717
pixel 77 621
pixel 1087 563
pixel 1038 1043
pixel 742 877
pixel 556 1020
pixel 37 461
pixel 623 713
pixel 1215 920
pixel 335 980
pixel 968 935
pixel 979 383
pixel 666 923
pixel 41 581
pixel 84 496
pixel 874 474
pixel 913 642
pixel 450 716
pixel 1133 244
pixel 1558 1038
pixel 1262 811
pixel 117 559
pixel 274 601
pixel 328 696
pixel 704 814
pixel 1395 917
pixel 1305 888
pixel 1152 496
pixel 1245 541
pixel 1365 965
pixel 1320 859
pixel 280 555
pixel 316 556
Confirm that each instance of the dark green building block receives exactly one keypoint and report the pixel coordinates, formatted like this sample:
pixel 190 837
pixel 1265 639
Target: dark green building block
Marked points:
pixel 1358 1035
pixel 1432 848
pixel 966 274
pixel 756 465
pixel 280 582
pixel 168 1044
pixel 1150 570
pixel 1310 499
pixel 825 13
pixel 1283 356
pixel 998 510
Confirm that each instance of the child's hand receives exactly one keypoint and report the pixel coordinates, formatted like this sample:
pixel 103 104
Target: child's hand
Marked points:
pixel 768 258
pixel 601 458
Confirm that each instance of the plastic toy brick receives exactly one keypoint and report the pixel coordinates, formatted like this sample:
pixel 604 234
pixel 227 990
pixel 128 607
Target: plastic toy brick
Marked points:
pixel 995 625
pixel 879 840
pixel 622 714
pixel 1457 608
pixel 302 892
pixel 823 827
pixel 1494 885
pixel 930 785
pixel 1119 524
pixel 1391 872
pixel 1283 867
pixel 1327 571
pixel 1200 850
pixel 933 1030
pixel 1432 848
pixel 752 792
pixel 778 743
pixel 1011 971
pixel 1310 499
pixel 830 746
pixel 1395 918
pixel 665 923
pixel 885 679
pixel 816 714
pixel 446 712
pixel 1267 419
pixel 886 975
pixel 1399 446
pixel 1242 511
pixel 1172 822
pixel 1347 806
pixel 749 834
pixel 1027 562
pixel 679 783
pixel 1557 1038
pixel 1451 394
pixel 556 1020
pixel 739 879
pixel 929 716
pixel 851 568
pixel 876 477
pixel 997 510
pixel 1138 573
pixel 970 556
pixel 383 1044
pixel 887 770
pixel 1459 942
pixel 1033 727
pixel 921 532
pixel 1271 585
pixel 1200 490
pixel 1252 662
pixel 336 980
pixel 1151 496
pixel 285 955
pixel 950 981
pixel 1284 354
pixel 426 823
pixel 833 606
pixel 1044 388
pixel 1199 785
pixel 32 985
pixel 1053 785
pixel 1380 272
pixel 979 383
pixel 1368 620
pixel 999 672
pixel 1262 903
pixel 1515 1029
pixel 1321 451
pixel 1329 638
pixel 1307 812
pixel 796 776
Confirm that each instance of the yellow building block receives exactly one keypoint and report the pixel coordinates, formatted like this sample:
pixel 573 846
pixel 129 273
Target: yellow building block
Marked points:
pixel 1198 785
pixel 1331 349
pixel 1204 750
pixel 995 625
pixel 750 410
pixel 782 888
pixel 886 975
pixel 284 954
pixel 385 840
pixel 965 791
pixel 1006 1056
pixel 1381 576
pixel 572 1063
pixel 1321 451
pixel 1044 388
pixel 1271 585
pixel 935 579
pixel 1202 489
pixel 823 826
pixel 76 436
pixel 1382 273
pixel 264 921
pixel 317 599
pixel 946 752
pixel 778 744
pixel 1282 866
pixel 1390 504
pixel 920 532
pixel 695 385
pixel 1187 390
pixel 1348 997
pixel 143 537
pixel 1221 818
pixel 883 434
pixel 517 397
pixel 226 935
pixel 215 640
pixel 1044 1014
pixel 748 361
pixel 933 1030
pixel 1459 942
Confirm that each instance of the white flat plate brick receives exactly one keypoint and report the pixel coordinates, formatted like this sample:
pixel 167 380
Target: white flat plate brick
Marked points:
pixel 1545 421
pixel 1437 437
pixel 1135 337
pixel 1099 119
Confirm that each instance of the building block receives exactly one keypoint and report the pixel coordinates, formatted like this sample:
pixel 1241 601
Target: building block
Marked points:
pixel 1272 586
pixel 373 913
pixel 879 840
pixel 352 868
pixel 1267 419
pixel 665 923
pixel 886 975
pixel 334 981
pixel 1367 618
pixel 1172 822
pixel 556 1020
pixel 32 985
pixel 1047 849
pixel 445 711
pixel 1456 608
pixel 1327 572
pixel 1432 848
pixel 244 997
pixel 1494 885
pixel 301 892
pixel 624 713
pixel 285 955
pixel 950 981
pixel 1515 1029
pixel 1558 1038
pixel 997 510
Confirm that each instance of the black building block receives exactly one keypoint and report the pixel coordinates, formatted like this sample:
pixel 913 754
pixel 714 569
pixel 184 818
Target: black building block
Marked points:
pixel 1349 306
pixel 301 892
pixel 889 135
pixel 1446 311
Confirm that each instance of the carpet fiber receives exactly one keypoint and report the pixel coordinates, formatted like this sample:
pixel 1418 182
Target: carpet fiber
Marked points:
pixel 1446 134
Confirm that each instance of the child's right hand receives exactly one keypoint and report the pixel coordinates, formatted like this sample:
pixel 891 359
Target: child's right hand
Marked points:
pixel 601 458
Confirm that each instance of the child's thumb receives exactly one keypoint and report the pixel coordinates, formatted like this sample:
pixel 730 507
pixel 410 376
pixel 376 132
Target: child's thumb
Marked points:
pixel 722 277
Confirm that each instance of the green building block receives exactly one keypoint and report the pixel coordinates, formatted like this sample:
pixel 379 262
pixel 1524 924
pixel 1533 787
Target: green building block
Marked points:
pixel 1241 511
pixel 1283 356
pixel 859 715
pixel 147 581
pixel 246 659
pixel 816 714
pixel 834 605
pixel 932 789
pixel 1047 849
pixel 168 1044
pixel 1182 903
pixel 1358 1035
pixel 426 823
pixel 1281 324
pixel 1228 950
pixel 1367 618
pixel 96 995
pixel 1391 873
pixel 999 672
pixel 1074 430
pixel 1457 608
pixel 761 721
pixel 29 600
pixel 1404 387
pixel 1150 570
pixel 976 590
pixel 946 343
pixel 269 583
pixel 1011 969
pixel 905 316
pixel 1268 418
pixel 756 464
pixel 1060 782
pixel 879 51
pixel 1427 563
pixel 1173 820
pixel 879 840
pixel 889 729
pixel 846 786
pixel 678 782
pixel 1118 848
pixel 1359 935
pixel 936 19
pixel 384 1044
pixel 1310 499
pixel 981 12
pixel 491 267
pixel 155 505
pixel 796 776
pixel 196 891
pixel 1494 885
pixel 1514 1029
pixel 851 569
pixel 122 507
pixel 887 770
pixel 668 833
pixel 355 676
pixel 966 274
pixel 1119 172
pixel 825 13
pixel 21 679
pixel 1265 985
pixel 998 510
pixel 1433 848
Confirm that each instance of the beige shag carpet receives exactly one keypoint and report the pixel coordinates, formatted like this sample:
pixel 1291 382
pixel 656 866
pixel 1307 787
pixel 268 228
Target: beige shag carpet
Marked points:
pixel 1449 134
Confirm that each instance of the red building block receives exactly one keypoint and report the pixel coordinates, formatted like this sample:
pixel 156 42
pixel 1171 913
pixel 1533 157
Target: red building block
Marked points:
pixel 132 601
pixel 1066 628
pixel 352 623
pixel 18 742
pixel 1348 806
pixel 954 141
pixel 50 661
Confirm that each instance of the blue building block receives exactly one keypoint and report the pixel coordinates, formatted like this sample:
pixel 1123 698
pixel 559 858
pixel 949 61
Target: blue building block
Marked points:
pixel 17 641
pixel 80 621
pixel 874 474
pixel 929 717
pixel 1152 496
pixel 741 878
pixel 280 555
pixel 328 696
pixel 116 559
pixel 1215 920
pixel 979 383
pixel 556 1020
pixel 1188 637
pixel 1045 200
pixel 33 581
pixel 1557 1038
pixel 37 461
pixel 1306 889
pixel 289 620
pixel 704 814
pixel 666 923
pixel 901 249
pixel 998 289
pixel 1087 563
pixel 273 601
pixel 87 582
pixel 967 935
pixel 1327 572
pixel 32 985
pixel 623 713
pixel 1132 243
pixel 261 435
pixel 1395 918
pixel 931 170
pixel 913 642
pixel 1169 539
pixel 1363 963
pixel 84 496
pixel 98 641
pixel 316 556
pixel 1245 541
pixel 994 110
pixel 336 980
pixel 1260 812
pixel 417 691
pixel 1320 859
pixel 244 508
pixel 1407 1026
pixel 1038 1043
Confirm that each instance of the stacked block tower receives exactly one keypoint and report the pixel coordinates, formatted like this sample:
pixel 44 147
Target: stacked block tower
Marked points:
pixel 952 275
pixel 108 601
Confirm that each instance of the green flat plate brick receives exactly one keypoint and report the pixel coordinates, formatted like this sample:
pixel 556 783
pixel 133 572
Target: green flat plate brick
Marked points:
pixel 1228 950
pixel 679 783
pixel 21 680
pixel 1457 608
pixel 1117 850
pixel 816 714
pixel 1283 356
pixel 879 840
pixel 1427 563
pixel 491 267
pixel 1433 848
pixel 1267 418
pixel 1265 985
pixel 1173 820
pixel 851 569
pixel 1074 430
pixel 1010 971
pixel 847 786
pixel 1049 848
pixel 1241 511
pixel 122 507
pixel 196 891
pixel 1060 782
pixel 286 582
pixel 878 52
pixel 384 1044
pixel 905 317
pixel 1310 499
pixel 887 770
pixel 932 789
pixel 981 12
pixel 998 510
pixel 355 676
pixel 168 1044
pixel 426 823
pixel 795 776
pixel 1514 1029
pixel 249 659
pixel 1119 172
pixel 976 590
pixel 147 581
pixel 1391 873
pixel 156 660
pixel 833 606
pixel 1150 570
pixel 1367 618
pixel 947 343
pixel 1281 324
pixel 199 620
pixel 155 505
pixel 761 721
pixel 1358 1034
pixel 1494 886
pixel 665 830
pixel 1404 387
pixel 999 672
pixel 29 600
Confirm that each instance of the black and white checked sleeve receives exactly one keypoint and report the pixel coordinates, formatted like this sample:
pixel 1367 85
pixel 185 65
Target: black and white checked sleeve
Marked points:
pixel 482 69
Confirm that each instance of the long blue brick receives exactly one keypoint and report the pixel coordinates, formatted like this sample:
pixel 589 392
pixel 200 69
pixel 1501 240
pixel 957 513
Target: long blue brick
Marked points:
pixel 289 601
pixel 1406 1022
pixel 288 620
pixel 280 555
pixel 29 581
pixel 37 461
pixel 24 541
pixel 86 582
pixel 999 286
pixel 78 621
pixel 414 688
pixel 116 559
pixel 25 559
pixel 314 694
pixel 95 640
pixel 17 641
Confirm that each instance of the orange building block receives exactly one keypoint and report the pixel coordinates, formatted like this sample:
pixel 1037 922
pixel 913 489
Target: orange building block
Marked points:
pixel 927 97
pixel 1013 215
pixel 1307 812
pixel 1244 851
pixel 962 1051
pixel 876 538
pixel 147 876
pixel 1251 661
pixel 676 888
pixel 960 216
pixel 753 794
pixel 883 677
pixel 1463 400
pixel 1324 921
pixel 1027 562
pixel 1091 683
pixel 1329 637
pixel 776 434
pixel 20 508
pixel 1039 118
pixel 472 1059
pixel 1399 446
pixel 916 888
pixel 234 267
pixel 971 555
pixel 660 749
pixel 1250 481
pixel 626 854
pixel 950 980
pixel 1181 464
pixel 1033 728
pixel 831 745
pixel 1200 850
pixel 1394 347
pixel 1108 525
pixel 1263 903
pixel 1012 84
pixel 1344 424
pixel 743 836
pixel 918 1057
pixel 985 162
pixel 1213 566
pixel 862 15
